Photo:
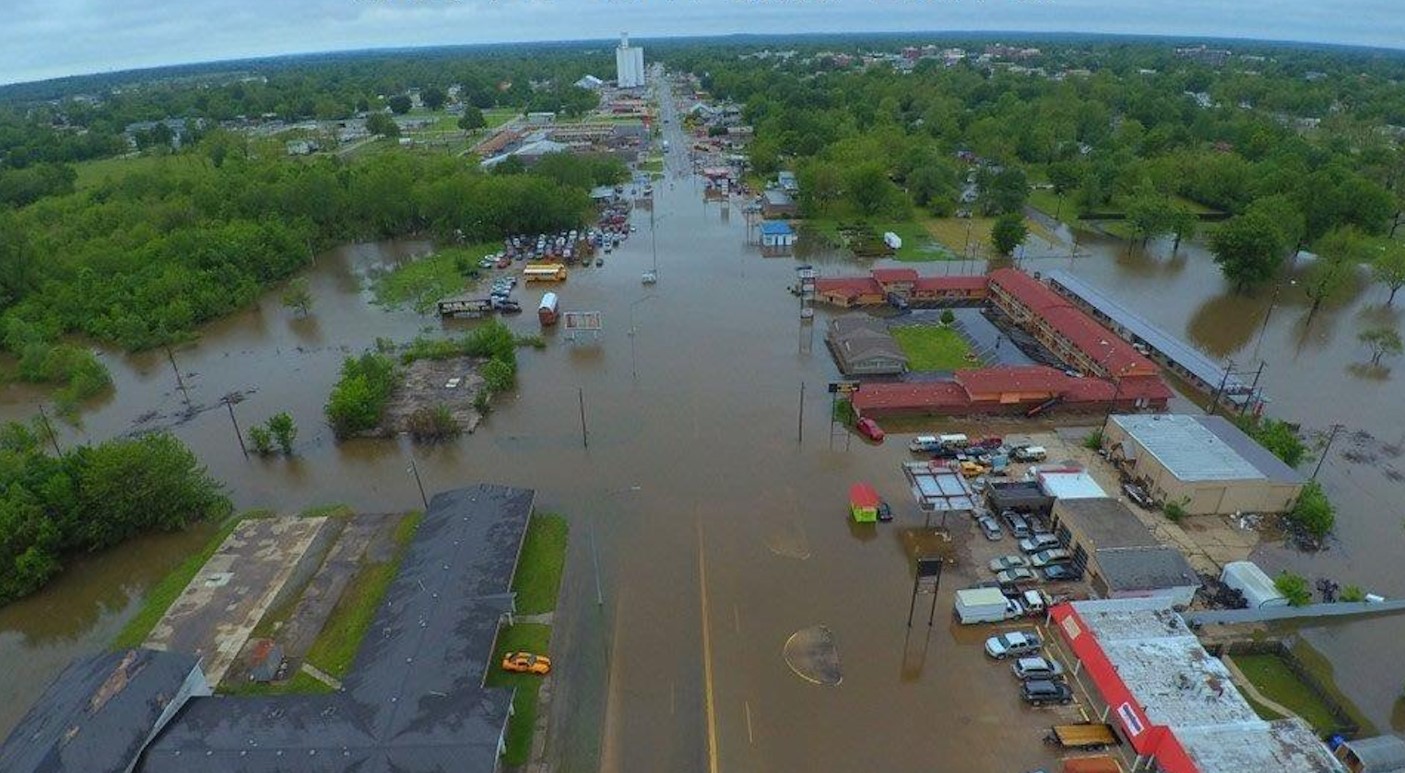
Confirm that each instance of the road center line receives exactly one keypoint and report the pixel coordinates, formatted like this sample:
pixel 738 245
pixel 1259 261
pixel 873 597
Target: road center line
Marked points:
pixel 707 656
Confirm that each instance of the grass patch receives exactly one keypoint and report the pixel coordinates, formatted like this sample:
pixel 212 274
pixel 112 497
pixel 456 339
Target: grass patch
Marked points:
pixel 164 593
pixel 341 635
pixel 1271 675
pixel 328 511
pixel 918 245
pixel 1320 669
pixel 952 232
pixel 94 173
pixel 929 347
pixel 420 283
pixel 498 116
pixel 526 637
pixel 538 579
pixel 300 684
pixel 653 164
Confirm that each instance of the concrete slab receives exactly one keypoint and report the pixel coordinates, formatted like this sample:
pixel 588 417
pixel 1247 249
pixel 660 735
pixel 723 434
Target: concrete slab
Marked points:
pixel 215 614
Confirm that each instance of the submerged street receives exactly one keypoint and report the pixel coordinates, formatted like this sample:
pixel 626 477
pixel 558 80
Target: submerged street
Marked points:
pixel 704 530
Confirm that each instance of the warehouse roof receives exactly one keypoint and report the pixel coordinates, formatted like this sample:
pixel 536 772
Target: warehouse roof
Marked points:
pixel 415 697
pixel 1145 568
pixel 1063 484
pixel 1188 448
pixel 1106 522
pixel 99 713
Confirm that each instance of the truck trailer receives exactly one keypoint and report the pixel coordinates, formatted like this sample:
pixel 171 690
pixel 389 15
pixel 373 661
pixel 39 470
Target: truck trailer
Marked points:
pixel 981 605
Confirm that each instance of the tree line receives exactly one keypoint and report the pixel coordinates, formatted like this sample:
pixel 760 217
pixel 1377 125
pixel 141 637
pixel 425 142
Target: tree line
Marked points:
pixel 54 506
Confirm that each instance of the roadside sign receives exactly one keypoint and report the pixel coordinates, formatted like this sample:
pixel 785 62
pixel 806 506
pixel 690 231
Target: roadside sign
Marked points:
pixel 929 566
pixel 843 387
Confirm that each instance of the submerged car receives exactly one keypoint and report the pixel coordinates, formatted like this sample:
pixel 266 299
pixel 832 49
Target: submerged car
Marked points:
pixel 1038 692
pixel 526 663
pixel 1052 556
pixel 990 528
pixel 1018 574
pixel 1008 562
pixel 1061 573
pixel 869 429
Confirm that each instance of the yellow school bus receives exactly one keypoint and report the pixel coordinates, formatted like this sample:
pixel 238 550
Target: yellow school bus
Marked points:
pixel 544 272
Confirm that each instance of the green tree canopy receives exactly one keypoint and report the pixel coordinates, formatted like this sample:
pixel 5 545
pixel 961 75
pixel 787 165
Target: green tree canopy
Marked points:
pixel 1248 249
pixel 1008 232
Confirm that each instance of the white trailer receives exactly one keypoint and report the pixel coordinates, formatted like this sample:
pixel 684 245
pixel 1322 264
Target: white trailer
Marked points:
pixel 981 605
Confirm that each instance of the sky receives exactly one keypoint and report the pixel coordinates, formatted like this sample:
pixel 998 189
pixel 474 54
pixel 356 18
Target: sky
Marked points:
pixel 51 38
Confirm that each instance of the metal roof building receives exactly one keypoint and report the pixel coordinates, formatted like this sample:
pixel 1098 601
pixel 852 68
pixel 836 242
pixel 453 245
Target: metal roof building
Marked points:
pixel 1120 555
pixel 1174 703
pixel 414 698
pixel 1205 463
pixel 1184 359
pixel 100 713
pixel 938 487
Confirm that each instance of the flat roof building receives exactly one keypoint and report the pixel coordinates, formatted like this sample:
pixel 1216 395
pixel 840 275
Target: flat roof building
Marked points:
pixel 1205 463
pixel 1173 702
pixel 1119 555
pixel 1065 483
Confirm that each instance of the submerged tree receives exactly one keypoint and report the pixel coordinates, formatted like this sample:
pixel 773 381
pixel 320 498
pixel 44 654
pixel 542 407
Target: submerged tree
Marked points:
pixel 1383 341
pixel 298 296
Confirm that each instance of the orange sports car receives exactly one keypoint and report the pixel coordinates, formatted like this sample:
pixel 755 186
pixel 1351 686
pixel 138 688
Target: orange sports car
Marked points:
pixel 526 663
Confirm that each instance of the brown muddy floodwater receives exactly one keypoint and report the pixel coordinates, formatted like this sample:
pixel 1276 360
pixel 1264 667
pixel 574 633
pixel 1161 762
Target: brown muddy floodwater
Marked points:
pixel 704 533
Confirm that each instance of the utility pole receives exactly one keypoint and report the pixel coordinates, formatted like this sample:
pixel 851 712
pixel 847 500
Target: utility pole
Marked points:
pixel 418 482
pixel 585 436
pixel 180 382
pixel 49 428
pixel 800 421
pixel 1253 389
pixel 1215 400
pixel 237 434
pixel 1328 447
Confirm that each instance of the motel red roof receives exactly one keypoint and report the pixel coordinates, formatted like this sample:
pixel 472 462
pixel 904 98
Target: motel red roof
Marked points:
pixel 857 285
pixel 889 275
pixel 1013 378
pixel 940 283
pixel 910 395
pixel 1091 338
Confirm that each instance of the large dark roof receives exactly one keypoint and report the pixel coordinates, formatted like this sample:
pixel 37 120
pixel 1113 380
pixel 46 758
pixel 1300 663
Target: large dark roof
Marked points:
pixel 414 699
pixel 1146 568
pixel 98 713
pixel 1107 523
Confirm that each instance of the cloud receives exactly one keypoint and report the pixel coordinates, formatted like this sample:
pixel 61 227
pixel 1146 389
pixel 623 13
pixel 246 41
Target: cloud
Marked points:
pixel 50 38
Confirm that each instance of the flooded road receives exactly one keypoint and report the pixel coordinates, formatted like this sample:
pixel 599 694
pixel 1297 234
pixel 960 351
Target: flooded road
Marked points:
pixel 705 532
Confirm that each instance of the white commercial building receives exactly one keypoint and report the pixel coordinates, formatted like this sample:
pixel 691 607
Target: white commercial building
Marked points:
pixel 629 64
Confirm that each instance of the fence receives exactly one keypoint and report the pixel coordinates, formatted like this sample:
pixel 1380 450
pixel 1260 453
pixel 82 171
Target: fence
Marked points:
pixel 1345 725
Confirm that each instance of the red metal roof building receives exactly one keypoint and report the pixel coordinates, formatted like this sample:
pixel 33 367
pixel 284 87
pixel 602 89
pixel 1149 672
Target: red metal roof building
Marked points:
pixel 1174 703
pixel 1010 389
pixel 905 282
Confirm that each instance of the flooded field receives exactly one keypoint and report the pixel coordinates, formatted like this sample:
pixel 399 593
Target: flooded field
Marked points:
pixel 705 531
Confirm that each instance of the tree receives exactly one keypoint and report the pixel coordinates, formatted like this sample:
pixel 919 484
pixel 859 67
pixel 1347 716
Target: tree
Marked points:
pixel 261 439
pixel 1382 340
pixel 1248 249
pixel 298 296
pixel 472 119
pixel 284 431
pixel 399 104
pixel 948 317
pixel 1002 192
pixel 433 97
pixel 1008 232
pixel 1148 214
pixel 382 124
pixel 1388 268
pixel 1183 222
pixel 869 188
pixel 1294 587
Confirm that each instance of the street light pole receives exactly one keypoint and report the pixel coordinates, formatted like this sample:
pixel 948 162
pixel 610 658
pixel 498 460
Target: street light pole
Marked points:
pixel 1330 437
pixel 632 369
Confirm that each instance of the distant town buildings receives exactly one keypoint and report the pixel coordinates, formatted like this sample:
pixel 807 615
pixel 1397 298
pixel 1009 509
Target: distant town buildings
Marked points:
pixel 629 64
pixel 1210 57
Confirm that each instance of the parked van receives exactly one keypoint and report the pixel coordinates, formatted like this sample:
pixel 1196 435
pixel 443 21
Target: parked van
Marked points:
pixel 954 441
pixel 924 444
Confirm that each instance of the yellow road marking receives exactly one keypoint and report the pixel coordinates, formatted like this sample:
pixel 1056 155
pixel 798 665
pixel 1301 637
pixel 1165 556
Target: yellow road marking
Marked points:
pixel 707 657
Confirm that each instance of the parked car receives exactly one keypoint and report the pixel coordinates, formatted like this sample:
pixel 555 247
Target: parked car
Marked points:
pixel 1051 556
pixel 1013 644
pixel 1008 562
pixel 1039 541
pixel 1019 525
pixel 885 511
pixel 1040 692
pixel 1018 574
pixel 526 663
pixel 991 528
pixel 869 429
pixel 1031 454
pixel 1061 573
pixel 1037 667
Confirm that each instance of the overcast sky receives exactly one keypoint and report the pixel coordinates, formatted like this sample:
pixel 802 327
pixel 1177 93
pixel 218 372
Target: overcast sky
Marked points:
pixel 50 38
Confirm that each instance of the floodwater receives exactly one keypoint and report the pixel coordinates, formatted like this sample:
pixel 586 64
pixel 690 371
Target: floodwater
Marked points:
pixel 705 530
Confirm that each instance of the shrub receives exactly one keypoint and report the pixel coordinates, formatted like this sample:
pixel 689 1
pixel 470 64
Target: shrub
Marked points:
pixel 1278 437
pixel 948 316
pixel 1175 510
pixel 1313 512
pixel 499 376
pixel 1293 586
pixel 261 439
pixel 359 397
pixel 1352 593
pixel 429 424
pixel 283 430
pixel 481 402
pixel 534 341
pixel 1093 440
